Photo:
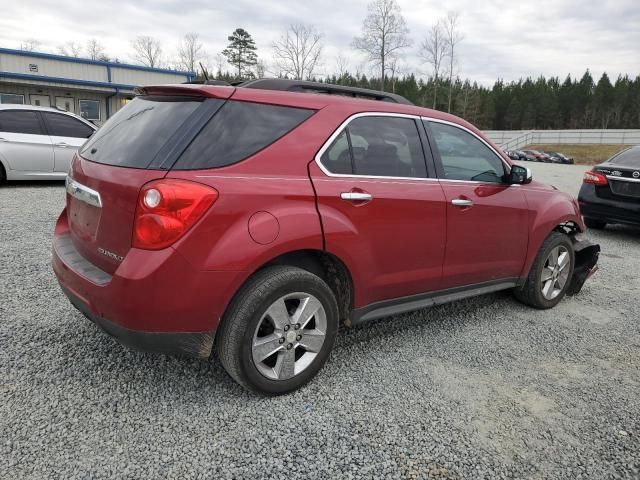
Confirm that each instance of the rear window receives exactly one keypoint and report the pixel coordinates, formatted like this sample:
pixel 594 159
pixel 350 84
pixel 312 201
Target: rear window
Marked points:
pixel 629 157
pixel 137 132
pixel 237 131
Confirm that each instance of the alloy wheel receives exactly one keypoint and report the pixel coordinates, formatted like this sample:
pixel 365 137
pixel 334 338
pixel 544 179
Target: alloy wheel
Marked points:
pixel 555 272
pixel 289 336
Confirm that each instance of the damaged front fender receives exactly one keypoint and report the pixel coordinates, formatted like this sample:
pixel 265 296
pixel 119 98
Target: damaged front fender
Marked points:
pixel 586 263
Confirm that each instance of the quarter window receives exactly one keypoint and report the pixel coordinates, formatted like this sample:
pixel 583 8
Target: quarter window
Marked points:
pixel 237 131
pixel 464 156
pixel 17 121
pixel 378 146
pixel 66 126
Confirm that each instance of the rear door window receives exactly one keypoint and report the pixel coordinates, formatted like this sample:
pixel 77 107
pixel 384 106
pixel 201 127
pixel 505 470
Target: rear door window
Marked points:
pixel 383 146
pixel 60 125
pixel 137 132
pixel 16 121
pixel 237 131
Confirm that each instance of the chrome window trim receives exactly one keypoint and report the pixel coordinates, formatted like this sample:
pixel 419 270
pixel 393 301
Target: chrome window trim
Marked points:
pixel 341 128
pixel 344 125
pixel 82 193
pixel 623 179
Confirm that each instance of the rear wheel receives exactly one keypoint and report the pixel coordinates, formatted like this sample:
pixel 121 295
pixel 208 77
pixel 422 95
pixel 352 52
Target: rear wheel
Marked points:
pixel 3 174
pixel 278 331
pixel 594 223
pixel 550 274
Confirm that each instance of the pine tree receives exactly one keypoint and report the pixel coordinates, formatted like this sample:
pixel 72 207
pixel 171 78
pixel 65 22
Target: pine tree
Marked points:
pixel 241 52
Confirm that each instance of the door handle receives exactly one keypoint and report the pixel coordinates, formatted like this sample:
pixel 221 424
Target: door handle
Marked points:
pixel 62 145
pixel 3 139
pixel 356 196
pixel 462 202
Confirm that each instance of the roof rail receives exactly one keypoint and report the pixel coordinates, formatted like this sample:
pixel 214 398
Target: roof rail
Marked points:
pixel 325 88
pixel 206 82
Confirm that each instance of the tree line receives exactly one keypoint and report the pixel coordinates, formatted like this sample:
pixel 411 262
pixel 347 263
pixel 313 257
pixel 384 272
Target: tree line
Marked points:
pixel 542 103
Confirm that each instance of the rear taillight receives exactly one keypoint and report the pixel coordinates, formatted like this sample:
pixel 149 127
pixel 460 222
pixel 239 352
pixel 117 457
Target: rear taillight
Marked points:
pixel 166 209
pixel 595 178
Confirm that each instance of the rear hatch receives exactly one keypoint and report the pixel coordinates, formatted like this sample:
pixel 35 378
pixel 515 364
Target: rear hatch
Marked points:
pixel 623 175
pixel 133 147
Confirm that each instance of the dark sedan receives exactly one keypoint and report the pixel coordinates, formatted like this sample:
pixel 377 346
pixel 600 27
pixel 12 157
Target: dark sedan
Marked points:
pixel 610 192
pixel 557 157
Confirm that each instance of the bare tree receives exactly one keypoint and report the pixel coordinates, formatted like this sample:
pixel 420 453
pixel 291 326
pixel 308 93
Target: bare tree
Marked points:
pixel 384 34
pixel 70 49
pixel 147 50
pixel 395 70
pixel 190 52
pixel 341 66
pixel 220 64
pixel 452 38
pixel 298 51
pixel 95 50
pixel 30 44
pixel 433 51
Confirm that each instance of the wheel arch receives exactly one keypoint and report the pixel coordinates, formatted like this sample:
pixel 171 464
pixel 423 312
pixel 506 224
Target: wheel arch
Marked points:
pixel 328 267
pixel 3 170
pixel 569 224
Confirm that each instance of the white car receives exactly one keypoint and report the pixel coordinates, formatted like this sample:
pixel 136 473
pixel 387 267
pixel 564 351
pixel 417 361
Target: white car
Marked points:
pixel 38 143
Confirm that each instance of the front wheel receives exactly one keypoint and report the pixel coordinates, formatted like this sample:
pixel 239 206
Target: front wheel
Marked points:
pixel 278 331
pixel 550 274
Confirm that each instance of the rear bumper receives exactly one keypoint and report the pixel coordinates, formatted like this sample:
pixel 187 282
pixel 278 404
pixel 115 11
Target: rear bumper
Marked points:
pixel 607 210
pixel 155 301
pixel 192 344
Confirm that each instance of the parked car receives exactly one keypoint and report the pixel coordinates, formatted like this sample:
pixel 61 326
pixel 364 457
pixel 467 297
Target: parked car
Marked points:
pixel 538 156
pixel 610 192
pixel 557 157
pixel 254 221
pixel 38 143
pixel 512 154
pixel 528 157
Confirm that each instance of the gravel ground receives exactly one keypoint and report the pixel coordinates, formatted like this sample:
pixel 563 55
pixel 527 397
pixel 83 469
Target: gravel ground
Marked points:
pixel 483 388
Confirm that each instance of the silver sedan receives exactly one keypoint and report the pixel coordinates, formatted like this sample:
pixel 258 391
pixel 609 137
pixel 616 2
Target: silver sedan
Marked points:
pixel 38 143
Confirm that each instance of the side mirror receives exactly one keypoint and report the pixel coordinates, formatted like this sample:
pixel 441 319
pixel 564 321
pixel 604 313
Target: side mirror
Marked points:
pixel 519 175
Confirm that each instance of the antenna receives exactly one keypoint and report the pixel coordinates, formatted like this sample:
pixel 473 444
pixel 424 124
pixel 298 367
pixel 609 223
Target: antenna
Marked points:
pixel 204 72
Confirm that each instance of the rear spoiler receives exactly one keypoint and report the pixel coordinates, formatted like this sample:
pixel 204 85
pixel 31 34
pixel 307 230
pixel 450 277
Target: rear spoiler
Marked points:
pixel 187 90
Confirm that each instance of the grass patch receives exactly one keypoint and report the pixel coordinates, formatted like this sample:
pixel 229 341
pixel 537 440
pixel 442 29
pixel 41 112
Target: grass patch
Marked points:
pixel 585 154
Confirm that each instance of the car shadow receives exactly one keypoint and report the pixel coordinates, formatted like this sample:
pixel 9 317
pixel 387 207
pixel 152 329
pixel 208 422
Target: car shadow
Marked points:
pixel 181 380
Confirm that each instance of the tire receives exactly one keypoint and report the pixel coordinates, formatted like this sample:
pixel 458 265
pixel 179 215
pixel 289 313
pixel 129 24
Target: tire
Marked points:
pixel 3 174
pixel 594 223
pixel 532 293
pixel 248 324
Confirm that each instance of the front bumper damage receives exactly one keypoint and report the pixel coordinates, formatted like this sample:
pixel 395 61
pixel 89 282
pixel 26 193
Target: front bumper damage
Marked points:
pixel 586 263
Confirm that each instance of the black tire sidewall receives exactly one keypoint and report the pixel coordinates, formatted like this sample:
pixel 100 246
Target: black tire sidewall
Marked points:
pixel 306 283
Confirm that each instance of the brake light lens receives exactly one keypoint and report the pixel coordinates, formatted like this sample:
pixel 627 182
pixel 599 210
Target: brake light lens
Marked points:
pixel 167 209
pixel 594 178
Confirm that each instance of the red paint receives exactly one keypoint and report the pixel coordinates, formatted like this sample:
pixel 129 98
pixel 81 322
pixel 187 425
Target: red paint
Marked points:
pixel 408 239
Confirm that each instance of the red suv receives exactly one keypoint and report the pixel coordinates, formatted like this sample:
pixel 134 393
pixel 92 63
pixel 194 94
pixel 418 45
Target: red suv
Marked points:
pixel 255 220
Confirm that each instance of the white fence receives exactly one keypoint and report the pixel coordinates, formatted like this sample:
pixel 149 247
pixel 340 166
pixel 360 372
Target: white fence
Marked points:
pixel 514 139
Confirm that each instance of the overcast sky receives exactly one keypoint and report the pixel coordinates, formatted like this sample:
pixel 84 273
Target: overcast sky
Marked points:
pixel 503 38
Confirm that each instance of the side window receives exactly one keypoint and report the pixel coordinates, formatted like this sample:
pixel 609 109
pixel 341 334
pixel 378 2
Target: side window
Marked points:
pixel 380 147
pixel 237 131
pixel 465 157
pixel 65 126
pixel 337 158
pixel 17 121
